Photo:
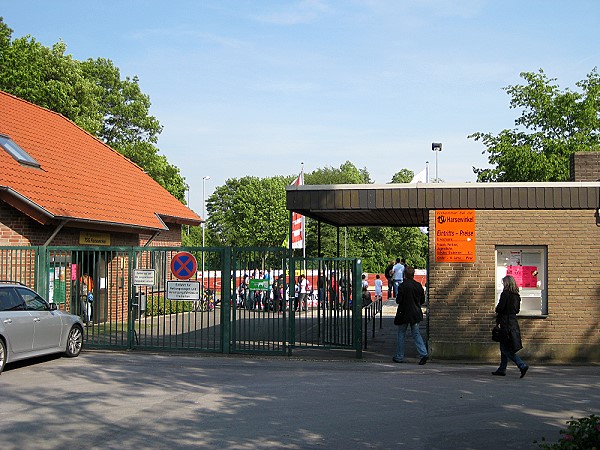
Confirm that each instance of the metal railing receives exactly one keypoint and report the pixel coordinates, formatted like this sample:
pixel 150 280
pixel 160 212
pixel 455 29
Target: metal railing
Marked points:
pixel 370 312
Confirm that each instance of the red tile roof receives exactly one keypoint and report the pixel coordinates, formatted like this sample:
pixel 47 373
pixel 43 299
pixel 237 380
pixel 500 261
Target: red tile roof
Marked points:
pixel 80 177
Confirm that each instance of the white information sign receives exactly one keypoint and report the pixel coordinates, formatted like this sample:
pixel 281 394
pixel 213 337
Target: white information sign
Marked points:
pixel 183 290
pixel 144 277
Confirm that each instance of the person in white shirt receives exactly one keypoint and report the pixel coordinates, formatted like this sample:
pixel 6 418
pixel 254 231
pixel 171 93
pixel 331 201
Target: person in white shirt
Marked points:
pixel 300 300
pixel 378 288
pixel 398 274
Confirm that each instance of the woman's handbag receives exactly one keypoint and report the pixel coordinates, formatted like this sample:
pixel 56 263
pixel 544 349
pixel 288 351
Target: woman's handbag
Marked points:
pixel 499 334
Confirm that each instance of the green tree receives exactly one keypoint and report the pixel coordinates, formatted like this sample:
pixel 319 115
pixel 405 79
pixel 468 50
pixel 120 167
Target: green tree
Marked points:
pixel 347 173
pixel 249 212
pixel 91 94
pixel 49 78
pixel 403 176
pixel 553 124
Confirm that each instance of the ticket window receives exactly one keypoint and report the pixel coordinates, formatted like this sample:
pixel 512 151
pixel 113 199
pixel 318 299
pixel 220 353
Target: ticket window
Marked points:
pixel 528 266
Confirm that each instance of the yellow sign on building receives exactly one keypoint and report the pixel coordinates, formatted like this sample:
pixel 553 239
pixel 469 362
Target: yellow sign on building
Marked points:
pixel 93 238
pixel 455 235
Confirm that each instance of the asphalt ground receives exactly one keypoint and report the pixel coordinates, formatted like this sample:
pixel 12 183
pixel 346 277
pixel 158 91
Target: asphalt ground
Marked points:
pixel 123 400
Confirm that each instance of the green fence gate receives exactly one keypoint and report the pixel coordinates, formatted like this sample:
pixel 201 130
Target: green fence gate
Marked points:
pixel 242 300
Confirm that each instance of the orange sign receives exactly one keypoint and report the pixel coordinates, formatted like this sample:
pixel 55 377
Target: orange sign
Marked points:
pixel 455 235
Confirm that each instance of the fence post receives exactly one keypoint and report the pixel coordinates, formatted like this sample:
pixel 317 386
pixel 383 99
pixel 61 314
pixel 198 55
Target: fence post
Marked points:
pixel 131 289
pixel 357 305
pixel 290 306
pixel 41 271
pixel 227 277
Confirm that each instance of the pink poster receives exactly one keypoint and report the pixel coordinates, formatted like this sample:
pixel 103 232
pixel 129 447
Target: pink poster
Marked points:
pixel 525 276
pixel 73 272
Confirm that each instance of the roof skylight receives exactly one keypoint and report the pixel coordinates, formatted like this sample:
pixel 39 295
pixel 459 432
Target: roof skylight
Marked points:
pixel 13 149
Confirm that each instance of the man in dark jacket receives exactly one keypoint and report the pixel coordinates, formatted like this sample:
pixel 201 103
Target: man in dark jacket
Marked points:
pixel 409 299
pixel 388 276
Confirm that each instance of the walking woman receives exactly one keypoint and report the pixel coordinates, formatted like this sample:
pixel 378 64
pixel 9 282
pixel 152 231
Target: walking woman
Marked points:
pixel 506 317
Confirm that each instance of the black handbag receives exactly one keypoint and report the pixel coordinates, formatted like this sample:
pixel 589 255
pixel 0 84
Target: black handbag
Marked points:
pixel 499 334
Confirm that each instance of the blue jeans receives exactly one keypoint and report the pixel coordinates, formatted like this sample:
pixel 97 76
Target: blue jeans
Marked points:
pixel 416 335
pixel 506 353
pixel 397 283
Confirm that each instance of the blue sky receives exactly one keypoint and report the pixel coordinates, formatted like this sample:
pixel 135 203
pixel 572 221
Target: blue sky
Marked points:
pixel 257 87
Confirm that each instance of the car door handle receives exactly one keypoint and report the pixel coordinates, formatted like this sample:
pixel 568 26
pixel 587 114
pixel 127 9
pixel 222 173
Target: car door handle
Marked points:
pixel 8 321
pixel 37 319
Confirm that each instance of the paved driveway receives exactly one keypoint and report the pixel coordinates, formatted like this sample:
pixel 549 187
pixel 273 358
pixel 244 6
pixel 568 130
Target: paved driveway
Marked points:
pixel 139 400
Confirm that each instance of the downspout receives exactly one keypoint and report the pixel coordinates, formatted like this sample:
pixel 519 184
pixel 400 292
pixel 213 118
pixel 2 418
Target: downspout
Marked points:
pixel 157 232
pixel 154 236
pixel 56 231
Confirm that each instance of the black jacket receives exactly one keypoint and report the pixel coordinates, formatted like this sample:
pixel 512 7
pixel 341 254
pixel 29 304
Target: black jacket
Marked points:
pixel 506 316
pixel 388 271
pixel 411 296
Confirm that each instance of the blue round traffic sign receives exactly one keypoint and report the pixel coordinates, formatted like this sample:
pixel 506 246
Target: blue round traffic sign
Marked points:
pixel 184 266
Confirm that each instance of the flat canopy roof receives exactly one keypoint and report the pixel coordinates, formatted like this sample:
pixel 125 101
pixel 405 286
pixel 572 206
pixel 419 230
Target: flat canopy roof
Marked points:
pixel 409 204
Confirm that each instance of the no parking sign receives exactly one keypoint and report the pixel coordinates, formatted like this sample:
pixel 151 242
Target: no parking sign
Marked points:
pixel 184 266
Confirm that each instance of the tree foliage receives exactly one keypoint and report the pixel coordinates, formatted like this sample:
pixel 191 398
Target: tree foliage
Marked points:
pixel 553 124
pixel 92 94
pixel 249 212
pixel 347 173
pixel 403 176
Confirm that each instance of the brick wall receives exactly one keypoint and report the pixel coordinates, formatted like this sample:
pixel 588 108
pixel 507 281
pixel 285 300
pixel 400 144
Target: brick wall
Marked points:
pixel 462 296
pixel 168 238
pixel 585 166
pixel 16 229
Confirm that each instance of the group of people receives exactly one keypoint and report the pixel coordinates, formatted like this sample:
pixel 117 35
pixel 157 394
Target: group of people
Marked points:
pixel 332 292
pixel 410 297
pixel 269 299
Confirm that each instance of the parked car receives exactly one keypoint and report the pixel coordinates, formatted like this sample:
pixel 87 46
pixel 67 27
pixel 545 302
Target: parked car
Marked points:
pixel 30 326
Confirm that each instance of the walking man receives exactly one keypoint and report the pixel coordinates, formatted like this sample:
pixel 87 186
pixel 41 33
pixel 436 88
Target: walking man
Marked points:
pixel 410 298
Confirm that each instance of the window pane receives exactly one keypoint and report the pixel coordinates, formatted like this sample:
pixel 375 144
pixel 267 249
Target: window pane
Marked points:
pixel 16 152
pixel 9 300
pixel 33 301
pixel 528 267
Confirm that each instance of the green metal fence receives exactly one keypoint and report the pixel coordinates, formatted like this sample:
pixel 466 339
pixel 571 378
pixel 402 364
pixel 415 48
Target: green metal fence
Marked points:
pixel 329 315
pixel 241 300
pixel 260 305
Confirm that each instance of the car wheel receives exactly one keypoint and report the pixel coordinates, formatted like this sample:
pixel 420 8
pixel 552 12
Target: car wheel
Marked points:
pixel 74 342
pixel 2 355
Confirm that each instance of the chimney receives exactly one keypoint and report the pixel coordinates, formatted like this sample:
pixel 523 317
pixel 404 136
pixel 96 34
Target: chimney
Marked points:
pixel 585 166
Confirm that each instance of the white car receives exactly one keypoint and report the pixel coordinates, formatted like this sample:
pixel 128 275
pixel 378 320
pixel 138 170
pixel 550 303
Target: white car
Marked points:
pixel 30 326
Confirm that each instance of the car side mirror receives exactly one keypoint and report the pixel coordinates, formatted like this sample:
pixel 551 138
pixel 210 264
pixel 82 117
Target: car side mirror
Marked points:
pixel 53 306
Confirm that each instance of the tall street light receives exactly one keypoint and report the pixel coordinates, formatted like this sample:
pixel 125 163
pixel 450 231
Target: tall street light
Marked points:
pixel 436 147
pixel 188 204
pixel 207 177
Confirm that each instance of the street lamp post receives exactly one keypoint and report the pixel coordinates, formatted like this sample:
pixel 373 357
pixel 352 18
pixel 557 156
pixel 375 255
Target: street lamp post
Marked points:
pixel 188 205
pixel 207 177
pixel 436 147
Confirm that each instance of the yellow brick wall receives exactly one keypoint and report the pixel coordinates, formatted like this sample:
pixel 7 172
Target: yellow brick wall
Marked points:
pixel 462 296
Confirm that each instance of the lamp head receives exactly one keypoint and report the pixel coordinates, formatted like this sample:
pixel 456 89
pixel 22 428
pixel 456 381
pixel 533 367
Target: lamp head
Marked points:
pixel 436 146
